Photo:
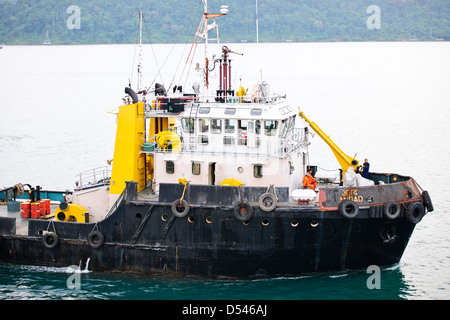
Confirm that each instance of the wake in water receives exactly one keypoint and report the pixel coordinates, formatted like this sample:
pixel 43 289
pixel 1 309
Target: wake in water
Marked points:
pixel 77 269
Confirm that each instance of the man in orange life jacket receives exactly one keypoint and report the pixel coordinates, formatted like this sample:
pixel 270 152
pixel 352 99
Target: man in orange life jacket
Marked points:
pixel 309 181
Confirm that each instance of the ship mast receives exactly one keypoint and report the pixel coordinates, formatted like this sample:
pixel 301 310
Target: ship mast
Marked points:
pixel 140 52
pixel 206 15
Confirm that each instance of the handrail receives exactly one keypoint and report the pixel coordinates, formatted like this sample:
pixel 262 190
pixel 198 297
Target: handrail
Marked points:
pixel 116 204
pixel 258 145
pixel 94 176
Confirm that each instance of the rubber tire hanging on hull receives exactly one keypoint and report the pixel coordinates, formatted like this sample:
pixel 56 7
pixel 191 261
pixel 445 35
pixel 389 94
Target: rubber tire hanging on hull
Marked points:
pixel 272 200
pixel 243 211
pixel 427 201
pixel 388 210
pixel 50 240
pixel 177 205
pixel 415 212
pixel 95 239
pixel 348 209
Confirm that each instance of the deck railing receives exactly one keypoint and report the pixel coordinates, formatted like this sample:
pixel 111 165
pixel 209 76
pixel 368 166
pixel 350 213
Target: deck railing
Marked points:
pixel 100 175
pixel 231 144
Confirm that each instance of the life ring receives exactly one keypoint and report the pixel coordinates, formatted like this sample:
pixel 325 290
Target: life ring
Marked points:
pixel 348 209
pixel 415 212
pixel 95 239
pixel 427 201
pixel 177 206
pixel 50 240
pixel 392 210
pixel 267 202
pixel 243 211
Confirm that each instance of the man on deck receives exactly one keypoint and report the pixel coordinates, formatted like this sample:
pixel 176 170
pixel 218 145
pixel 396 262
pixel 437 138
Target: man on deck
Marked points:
pixel 309 181
pixel 365 170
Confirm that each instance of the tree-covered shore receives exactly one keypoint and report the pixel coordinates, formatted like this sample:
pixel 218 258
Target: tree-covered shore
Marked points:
pixel 106 21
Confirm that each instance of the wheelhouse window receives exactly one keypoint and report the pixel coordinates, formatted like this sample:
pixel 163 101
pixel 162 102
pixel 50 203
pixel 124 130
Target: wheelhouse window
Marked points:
pixel 188 125
pixel 170 167
pixel 270 127
pixel 216 126
pixel 242 125
pixel 242 132
pixel 291 123
pixel 230 124
pixel 284 128
pixel 257 127
pixel 203 125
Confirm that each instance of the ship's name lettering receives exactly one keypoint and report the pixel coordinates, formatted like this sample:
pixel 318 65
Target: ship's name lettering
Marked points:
pixel 351 194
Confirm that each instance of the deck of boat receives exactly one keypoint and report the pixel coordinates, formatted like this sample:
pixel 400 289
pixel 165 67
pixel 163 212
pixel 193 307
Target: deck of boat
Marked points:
pixel 148 194
pixel 21 223
pixel 145 195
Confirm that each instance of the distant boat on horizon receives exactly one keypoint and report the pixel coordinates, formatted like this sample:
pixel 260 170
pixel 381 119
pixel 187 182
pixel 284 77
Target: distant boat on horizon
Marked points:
pixel 47 39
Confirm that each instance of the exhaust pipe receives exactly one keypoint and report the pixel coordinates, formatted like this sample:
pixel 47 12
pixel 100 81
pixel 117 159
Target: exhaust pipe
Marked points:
pixel 132 94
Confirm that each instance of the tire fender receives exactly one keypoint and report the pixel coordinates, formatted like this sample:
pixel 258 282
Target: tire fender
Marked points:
pixel 348 209
pixel 95 239
pixel 415 212
pixel 50 240
pixel 243 212
pixel 392 210
pixel 265 205
pixel 177 206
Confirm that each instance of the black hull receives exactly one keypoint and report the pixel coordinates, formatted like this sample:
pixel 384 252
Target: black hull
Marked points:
pixel 146 237
pixel 215 260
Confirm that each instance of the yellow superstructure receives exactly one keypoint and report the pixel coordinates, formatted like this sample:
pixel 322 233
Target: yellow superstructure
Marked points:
pixel 344 160
pixel 129 164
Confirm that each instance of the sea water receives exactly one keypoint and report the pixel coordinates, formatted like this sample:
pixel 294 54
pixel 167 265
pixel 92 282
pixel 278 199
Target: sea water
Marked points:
pixel 388 102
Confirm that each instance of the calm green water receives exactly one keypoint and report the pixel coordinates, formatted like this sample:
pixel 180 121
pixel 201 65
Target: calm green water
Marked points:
pixel 31 282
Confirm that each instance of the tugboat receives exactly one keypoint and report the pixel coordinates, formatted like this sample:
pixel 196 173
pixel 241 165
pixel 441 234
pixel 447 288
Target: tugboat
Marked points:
pixel 209 184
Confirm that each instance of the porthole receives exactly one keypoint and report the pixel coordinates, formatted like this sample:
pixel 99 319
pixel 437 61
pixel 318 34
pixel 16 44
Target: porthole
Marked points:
pixel 138 215
pixel 314 223
pixel 209 219
pixel 164 217
pixel 191 219
pixel 265 222
pixel 294 223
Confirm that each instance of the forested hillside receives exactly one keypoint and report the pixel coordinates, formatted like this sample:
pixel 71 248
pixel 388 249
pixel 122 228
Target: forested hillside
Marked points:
pixel 108 21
